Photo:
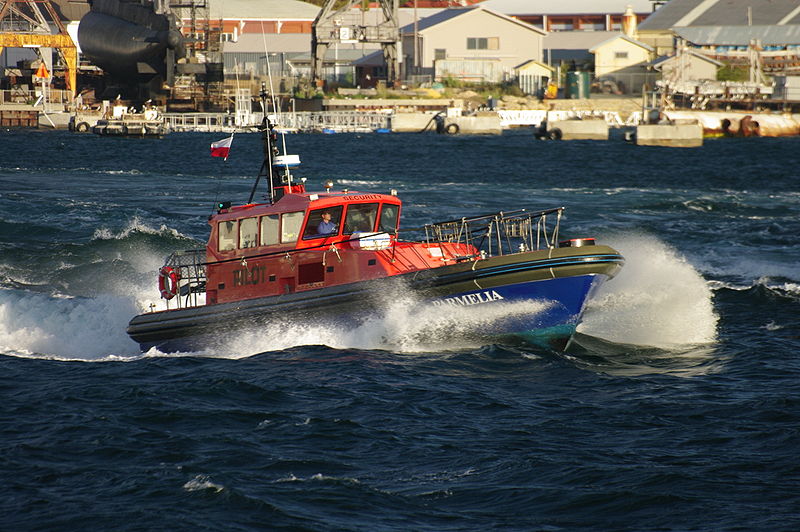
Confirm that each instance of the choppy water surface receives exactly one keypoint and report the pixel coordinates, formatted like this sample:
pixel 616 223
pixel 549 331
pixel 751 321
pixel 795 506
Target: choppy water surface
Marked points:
pixel 677 408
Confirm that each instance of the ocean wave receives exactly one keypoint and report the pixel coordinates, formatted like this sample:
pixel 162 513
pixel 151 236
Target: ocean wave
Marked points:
pixel 735 261
pixel 65 328
pixel 362 182
pixel 202 483
pixel 792 288
pixel 774 284
pixel 602 356
pixel 135 225
pixel 132 171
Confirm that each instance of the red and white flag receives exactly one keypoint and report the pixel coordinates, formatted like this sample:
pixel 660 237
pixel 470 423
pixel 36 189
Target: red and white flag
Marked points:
pixel 221 148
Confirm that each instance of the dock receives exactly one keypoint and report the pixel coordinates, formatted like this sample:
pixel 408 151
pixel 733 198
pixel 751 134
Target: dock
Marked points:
pixel 305 121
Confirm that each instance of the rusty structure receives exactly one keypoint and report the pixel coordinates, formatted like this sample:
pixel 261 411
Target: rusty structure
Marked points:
pixel 160 50
pixel 346 25
pixel 23 25
pixel 198 81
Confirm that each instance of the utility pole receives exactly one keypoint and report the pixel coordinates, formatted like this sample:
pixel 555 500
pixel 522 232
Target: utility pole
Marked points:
pixel 416 40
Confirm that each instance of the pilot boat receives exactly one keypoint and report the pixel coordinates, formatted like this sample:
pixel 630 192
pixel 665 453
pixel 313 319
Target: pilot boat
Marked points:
pixel 338 256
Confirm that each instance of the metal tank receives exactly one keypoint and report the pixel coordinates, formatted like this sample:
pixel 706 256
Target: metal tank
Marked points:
pixel 577 84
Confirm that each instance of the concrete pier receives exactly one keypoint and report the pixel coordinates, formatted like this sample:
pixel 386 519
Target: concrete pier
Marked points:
pixel 672 135
pixel 578 130
pixel 489 124
pixel 412 122
pixel 481 124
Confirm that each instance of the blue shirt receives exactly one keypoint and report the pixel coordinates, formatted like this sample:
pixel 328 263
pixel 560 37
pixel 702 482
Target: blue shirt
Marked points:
pixel 326 228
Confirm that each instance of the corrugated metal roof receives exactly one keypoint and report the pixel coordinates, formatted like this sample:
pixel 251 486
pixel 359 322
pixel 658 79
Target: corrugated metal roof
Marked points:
pixel 404 14
pixel 740 35
pixel 451 13
pixel 372 59
pixel 659 62
pixel 263 9
pixel 274 42
pixel 571 7
pixel 735 12
pixel 576 40
pixel 442 16
pixel 722 13
pixel 667 15
pixel 531 62
pixel 69 9
pixel 624 38
pixel 290 43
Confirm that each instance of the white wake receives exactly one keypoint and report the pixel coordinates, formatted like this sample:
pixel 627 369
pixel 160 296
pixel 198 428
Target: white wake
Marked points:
pixel 658 299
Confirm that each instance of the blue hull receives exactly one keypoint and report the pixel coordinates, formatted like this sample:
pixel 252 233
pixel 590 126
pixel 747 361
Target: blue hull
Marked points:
pixel 560 304
pixel 562 300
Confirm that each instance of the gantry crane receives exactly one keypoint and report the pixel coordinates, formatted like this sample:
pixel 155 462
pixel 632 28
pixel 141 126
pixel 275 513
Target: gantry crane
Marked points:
pixel 22 24
pixel 344 25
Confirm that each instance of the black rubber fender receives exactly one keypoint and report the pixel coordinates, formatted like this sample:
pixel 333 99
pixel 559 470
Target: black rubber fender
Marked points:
pixel 452 129
pixel 82 127
pixel 555 134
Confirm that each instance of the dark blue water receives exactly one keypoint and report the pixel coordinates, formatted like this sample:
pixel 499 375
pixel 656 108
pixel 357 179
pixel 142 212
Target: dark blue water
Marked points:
pixel 678 407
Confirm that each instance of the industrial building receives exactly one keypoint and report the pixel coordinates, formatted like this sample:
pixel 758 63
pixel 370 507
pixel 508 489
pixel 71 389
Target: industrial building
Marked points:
pixel 723 26
pixel 470 44
pixel 576 15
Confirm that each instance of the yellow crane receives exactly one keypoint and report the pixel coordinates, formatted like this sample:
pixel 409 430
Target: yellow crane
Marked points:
pixel 22 25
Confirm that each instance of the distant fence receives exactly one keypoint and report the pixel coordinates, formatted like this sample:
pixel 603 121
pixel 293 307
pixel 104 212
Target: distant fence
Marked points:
pixel 316 121
pixel 53 99
pixel 535 117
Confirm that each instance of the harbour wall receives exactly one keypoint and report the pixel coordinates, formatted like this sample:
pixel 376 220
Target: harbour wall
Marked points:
pixel 676 136
pixel 524 112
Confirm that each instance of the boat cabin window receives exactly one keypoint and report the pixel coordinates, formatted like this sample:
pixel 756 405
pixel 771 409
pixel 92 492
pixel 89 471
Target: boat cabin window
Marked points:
pixel 248 233
pixel 389 218
pixel 323 222
pixel 286 226
pixel 360 218
pixel 291 222
pixel 226 237
pixel 269 229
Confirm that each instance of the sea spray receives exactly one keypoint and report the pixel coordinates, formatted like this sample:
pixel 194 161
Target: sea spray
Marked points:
pixel 65 328
pixel 658 299
pixel 401 323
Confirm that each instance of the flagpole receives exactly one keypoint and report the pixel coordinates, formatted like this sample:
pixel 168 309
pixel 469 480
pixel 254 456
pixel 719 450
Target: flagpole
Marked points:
pixel 229 152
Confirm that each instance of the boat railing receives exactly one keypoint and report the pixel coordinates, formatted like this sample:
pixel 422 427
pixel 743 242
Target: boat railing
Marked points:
pixel 502 232
pixel 190 267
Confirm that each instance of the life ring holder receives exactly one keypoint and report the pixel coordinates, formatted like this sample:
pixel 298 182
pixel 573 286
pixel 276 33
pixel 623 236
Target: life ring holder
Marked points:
pixel 168 282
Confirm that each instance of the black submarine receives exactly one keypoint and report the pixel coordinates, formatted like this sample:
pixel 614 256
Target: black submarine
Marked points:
pixel 139 46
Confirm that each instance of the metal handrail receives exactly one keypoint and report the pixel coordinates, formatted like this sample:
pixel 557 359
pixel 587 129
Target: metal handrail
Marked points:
pixel 190 265
pixel 501 232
